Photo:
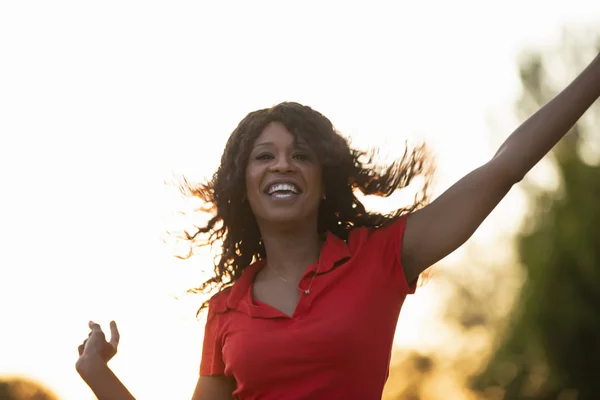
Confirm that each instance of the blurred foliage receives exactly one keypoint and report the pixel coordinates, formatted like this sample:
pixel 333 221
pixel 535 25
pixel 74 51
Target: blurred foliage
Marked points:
pixel 23 389
pixel 551 349
pixel 410 373
pixel 546 341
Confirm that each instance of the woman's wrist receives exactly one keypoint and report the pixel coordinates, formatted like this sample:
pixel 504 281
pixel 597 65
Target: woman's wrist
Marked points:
pixel 103 382
pixel 88 364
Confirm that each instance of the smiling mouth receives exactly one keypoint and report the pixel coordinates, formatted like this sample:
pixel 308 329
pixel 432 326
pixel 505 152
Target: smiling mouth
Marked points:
pixel 283 190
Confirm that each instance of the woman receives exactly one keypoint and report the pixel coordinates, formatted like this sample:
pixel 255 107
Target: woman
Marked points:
pixel 311 284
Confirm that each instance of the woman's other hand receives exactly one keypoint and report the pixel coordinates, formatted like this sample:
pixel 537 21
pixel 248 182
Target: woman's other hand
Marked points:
pixel 95 347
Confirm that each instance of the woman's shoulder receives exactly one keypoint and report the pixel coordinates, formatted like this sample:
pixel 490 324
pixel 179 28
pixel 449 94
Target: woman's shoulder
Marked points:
pixel 392 228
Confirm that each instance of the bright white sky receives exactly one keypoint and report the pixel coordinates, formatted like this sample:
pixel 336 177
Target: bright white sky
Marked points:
pixel 100 102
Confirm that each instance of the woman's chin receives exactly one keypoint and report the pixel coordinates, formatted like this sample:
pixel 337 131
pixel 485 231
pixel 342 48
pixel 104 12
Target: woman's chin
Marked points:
pixel 289 219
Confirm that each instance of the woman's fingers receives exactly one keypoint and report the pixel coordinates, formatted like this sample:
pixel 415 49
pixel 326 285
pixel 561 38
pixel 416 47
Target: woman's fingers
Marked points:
pixel 96 341
pixel 114 335
pixel 94 327
pixel 96 330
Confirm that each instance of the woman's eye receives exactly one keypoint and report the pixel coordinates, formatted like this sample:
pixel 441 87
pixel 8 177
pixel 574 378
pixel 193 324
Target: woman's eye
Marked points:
pixel 264 156
pixel 301 156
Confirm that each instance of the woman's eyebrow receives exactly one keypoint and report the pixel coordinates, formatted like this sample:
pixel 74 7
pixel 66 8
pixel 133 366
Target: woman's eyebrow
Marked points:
pixel 263 144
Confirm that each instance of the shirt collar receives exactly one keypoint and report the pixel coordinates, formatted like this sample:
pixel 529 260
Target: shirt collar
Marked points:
pixel 240 298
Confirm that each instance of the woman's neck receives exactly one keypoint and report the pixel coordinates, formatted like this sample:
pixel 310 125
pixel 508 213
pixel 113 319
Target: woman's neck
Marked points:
pixel 291 251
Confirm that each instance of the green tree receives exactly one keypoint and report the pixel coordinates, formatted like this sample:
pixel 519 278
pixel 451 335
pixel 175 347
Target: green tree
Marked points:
pixel 551 349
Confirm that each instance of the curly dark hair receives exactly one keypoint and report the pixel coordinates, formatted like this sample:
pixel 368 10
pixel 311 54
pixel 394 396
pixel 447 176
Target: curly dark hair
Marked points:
pixel 344 170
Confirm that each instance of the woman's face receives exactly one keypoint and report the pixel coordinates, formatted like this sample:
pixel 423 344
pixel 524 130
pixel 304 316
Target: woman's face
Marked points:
pixel 283 178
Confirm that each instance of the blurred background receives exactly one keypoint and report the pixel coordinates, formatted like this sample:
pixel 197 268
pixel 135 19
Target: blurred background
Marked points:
pixel 103 104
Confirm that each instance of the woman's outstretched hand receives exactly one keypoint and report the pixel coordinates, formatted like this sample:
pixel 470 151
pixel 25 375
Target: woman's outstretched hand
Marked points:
pixel 96 346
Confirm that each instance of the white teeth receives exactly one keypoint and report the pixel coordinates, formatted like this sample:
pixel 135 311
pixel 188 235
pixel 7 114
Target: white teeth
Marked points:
pixel 283 187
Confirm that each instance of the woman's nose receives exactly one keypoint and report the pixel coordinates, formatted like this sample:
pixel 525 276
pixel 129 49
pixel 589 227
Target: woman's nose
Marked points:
pixel 282 164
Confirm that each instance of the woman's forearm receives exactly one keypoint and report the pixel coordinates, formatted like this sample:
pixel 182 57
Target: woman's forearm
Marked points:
pixel 536 136
pixel 103 382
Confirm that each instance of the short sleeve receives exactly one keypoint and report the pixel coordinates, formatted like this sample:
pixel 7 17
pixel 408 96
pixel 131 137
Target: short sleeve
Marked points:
pixel 212 356
pixel 390 238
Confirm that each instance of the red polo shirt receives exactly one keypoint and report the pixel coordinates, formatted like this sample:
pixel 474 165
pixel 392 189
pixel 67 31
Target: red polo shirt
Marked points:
pixel 338 343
